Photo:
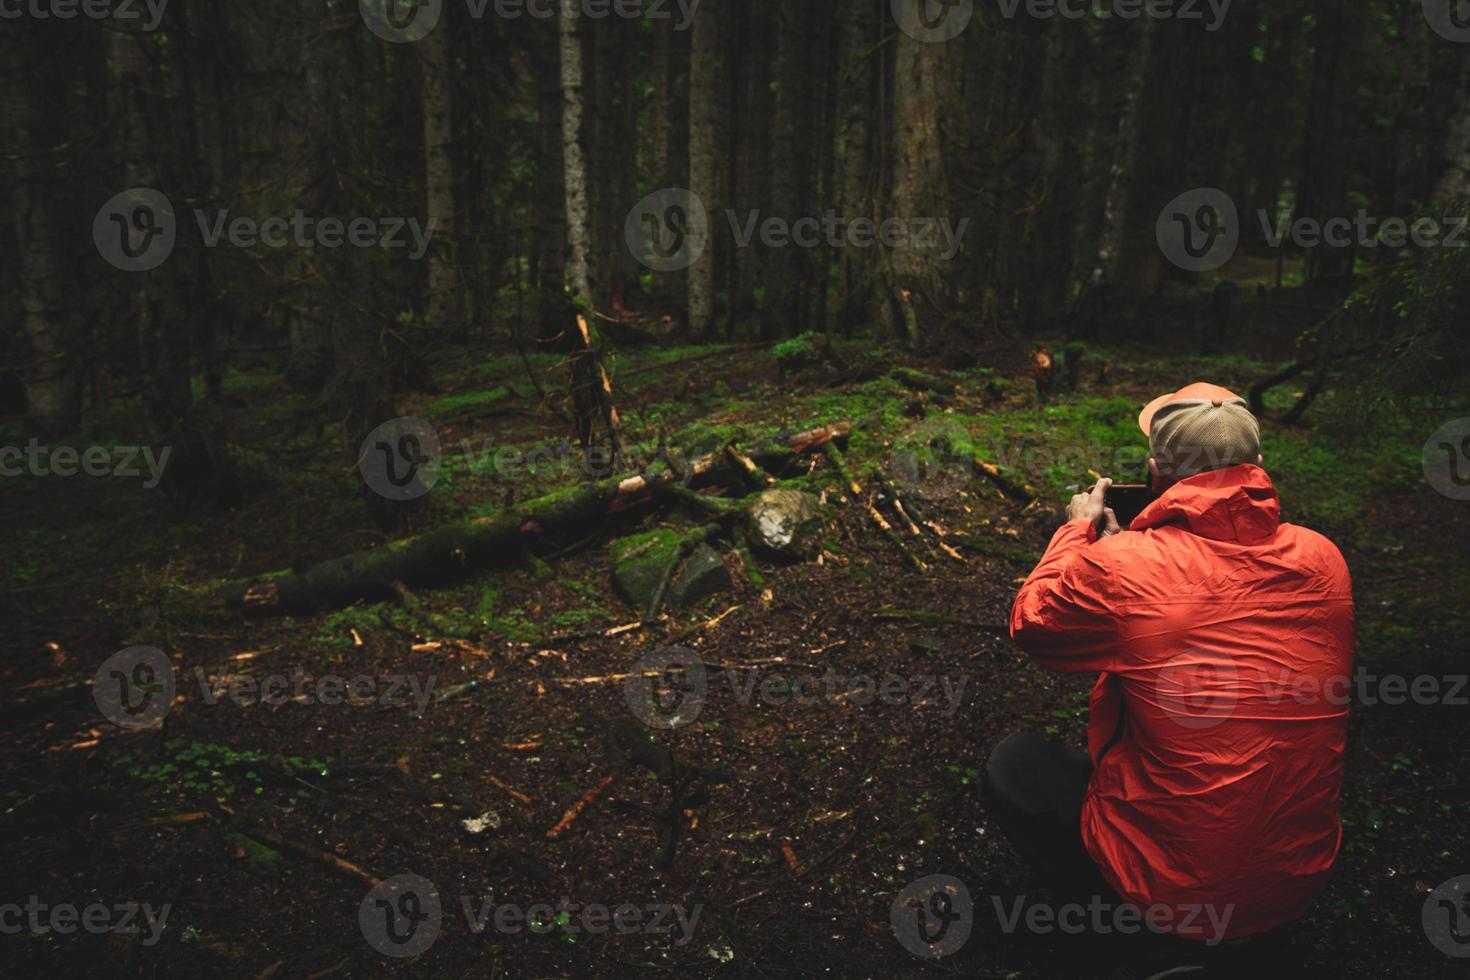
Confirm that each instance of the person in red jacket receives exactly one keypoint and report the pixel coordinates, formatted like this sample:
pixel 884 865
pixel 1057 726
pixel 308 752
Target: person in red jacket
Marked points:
pixel 1223 642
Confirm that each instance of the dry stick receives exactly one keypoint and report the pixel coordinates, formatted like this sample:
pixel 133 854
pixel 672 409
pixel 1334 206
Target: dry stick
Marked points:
pixel 325 858
pixel 512 793
pixel 577 808
pixel 840 462
pixel 892 535
pixel 902 509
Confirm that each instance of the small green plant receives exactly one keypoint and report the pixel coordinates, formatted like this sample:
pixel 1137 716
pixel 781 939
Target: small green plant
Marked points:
pixel 796 353
pixel 209 769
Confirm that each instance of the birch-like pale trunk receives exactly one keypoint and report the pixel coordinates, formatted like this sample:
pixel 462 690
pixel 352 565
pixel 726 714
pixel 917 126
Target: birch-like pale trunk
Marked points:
pixel 574 166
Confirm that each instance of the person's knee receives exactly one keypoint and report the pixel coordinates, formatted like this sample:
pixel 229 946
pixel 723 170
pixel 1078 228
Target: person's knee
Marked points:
pixel 1006 757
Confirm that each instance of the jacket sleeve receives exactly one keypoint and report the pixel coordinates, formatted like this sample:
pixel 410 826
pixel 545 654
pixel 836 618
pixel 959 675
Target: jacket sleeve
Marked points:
pixel 1065 615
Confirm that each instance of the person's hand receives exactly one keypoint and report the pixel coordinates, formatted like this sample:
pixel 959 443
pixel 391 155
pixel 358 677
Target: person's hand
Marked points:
pixel 1089 507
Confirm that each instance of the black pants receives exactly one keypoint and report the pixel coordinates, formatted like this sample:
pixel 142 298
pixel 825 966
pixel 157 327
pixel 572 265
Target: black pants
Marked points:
pixel 1034 789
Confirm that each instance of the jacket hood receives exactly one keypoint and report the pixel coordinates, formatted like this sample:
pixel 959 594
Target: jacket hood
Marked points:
pixel 1238 503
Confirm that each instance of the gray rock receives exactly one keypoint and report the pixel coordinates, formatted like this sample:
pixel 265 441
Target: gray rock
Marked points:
pixel 704 575
pixel 786 523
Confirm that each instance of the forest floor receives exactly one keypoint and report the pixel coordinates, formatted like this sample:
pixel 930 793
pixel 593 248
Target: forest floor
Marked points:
pixel 834 804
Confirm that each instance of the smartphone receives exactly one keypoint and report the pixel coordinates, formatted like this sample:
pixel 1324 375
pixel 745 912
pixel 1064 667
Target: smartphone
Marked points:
pixel 1128 501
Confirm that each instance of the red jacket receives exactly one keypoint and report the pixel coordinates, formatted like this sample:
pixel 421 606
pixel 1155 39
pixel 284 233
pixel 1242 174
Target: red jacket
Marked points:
pixel 1217 727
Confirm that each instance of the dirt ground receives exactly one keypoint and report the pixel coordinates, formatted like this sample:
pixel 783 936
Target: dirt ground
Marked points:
pixel 262 826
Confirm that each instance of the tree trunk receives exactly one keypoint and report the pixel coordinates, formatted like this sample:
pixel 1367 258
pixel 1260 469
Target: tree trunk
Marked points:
pixel 1454 180
pixel 449 553
pixel 783 265
pixel 53 394
pixel 920 186
pixel 858 61
pixel 445 312
pixel 359 390
pixel 702 141
pixel 552 308
pixel 574 167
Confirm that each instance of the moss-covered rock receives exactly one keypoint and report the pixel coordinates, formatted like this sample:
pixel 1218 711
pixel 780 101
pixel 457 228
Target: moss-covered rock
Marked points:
pixel 641 561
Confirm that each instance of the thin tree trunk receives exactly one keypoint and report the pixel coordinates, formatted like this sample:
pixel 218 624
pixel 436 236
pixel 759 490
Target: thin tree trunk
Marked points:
pixel 574 167
pixel 920 186
pixel 702 137
pixel 1454 180
pixel 446 301
pixel 591 387
pixel 552 310
pixel 53 395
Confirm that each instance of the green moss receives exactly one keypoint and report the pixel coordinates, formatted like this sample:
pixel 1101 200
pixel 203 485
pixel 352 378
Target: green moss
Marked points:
pixel 467 400
pixel 796 353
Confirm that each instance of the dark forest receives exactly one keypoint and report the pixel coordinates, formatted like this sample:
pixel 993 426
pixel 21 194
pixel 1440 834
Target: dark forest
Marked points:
pixel 561 488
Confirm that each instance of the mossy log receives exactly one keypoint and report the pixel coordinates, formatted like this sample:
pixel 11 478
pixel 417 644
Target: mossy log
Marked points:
pixel 447 554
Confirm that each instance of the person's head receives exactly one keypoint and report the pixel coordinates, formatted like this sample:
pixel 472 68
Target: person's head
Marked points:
pixel 1198 428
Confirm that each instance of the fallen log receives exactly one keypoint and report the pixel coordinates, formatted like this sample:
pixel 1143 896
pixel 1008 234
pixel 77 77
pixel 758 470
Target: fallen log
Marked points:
pixel 448 554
